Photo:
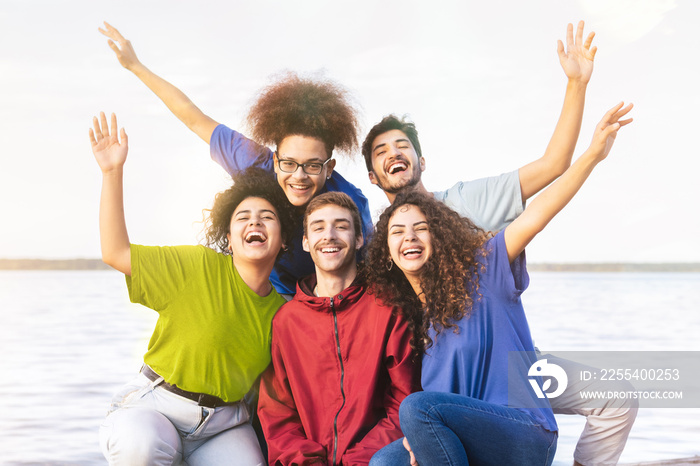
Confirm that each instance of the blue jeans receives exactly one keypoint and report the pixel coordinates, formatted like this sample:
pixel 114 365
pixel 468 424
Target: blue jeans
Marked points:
pixel 449 429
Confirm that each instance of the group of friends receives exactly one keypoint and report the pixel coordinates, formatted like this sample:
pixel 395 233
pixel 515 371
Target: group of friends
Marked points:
pixel 349 343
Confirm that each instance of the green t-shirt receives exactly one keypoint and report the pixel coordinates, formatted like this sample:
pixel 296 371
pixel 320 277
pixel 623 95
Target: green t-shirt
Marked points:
pixel 213 332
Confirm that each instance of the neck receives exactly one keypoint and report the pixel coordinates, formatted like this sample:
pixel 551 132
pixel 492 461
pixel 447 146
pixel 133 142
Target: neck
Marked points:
pixel 332 283
pixel 256 276
pixel 417 289
pixel 419 187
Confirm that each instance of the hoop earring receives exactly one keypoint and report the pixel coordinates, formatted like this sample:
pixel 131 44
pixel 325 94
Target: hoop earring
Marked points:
pixel 390 265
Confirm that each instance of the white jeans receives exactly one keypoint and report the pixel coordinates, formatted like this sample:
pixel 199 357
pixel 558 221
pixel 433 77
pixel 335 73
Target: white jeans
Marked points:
pixel 607 428
pixel 148 425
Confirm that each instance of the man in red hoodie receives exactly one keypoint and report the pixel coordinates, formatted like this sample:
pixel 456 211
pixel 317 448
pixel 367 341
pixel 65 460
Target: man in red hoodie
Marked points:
pixel 341 362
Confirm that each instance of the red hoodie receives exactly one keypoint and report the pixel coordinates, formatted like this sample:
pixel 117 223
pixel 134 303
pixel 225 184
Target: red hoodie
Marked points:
pixel 340 368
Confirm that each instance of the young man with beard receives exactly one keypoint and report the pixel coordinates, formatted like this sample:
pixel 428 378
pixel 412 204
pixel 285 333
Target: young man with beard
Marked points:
pixel 341 362
pixel 395 162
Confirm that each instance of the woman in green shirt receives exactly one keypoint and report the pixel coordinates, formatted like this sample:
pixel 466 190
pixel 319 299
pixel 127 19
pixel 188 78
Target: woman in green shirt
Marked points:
pixel 215 306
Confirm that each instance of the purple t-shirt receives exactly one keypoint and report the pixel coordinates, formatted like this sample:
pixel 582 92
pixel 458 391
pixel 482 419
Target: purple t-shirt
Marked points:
pixel 474 361
pixel 235 152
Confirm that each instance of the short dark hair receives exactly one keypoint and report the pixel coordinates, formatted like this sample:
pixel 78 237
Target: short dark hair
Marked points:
pixel 336 198
pixel 388 123
pixel 253 182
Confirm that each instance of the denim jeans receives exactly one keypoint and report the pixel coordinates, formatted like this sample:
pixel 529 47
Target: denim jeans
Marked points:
pixel 450 429
pixel 148 425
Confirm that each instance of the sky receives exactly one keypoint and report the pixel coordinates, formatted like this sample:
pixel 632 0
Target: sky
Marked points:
pixel 481 80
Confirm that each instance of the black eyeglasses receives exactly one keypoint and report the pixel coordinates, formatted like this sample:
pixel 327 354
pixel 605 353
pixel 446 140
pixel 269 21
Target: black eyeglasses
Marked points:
pixel 310 168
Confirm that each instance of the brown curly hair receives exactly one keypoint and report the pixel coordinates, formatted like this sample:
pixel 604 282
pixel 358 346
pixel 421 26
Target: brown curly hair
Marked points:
pixel 293 105
pixel 449 279
pixel 253 182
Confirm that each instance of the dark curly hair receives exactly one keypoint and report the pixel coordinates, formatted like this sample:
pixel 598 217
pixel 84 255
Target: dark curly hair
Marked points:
pixel 388 123
pixel 293 105
pixel 253 182
pixel 449 279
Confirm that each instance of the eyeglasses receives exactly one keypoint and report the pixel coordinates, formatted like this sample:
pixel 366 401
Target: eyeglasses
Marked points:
pixel 310 168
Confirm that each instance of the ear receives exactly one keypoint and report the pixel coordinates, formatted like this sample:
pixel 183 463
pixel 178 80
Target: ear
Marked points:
pixel 372 178
pixel 329 168
pixel 422 164
pixel 305 244
pixel 275 162
pixel 359 242
pixel 228 237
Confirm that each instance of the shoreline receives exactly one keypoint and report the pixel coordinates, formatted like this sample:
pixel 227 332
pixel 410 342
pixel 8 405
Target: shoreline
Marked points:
pixel 97 264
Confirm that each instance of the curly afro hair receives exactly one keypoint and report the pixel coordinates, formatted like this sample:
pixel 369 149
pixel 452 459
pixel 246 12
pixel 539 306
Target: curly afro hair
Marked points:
pixel 253 182
pixel 317 108
pixel 449 279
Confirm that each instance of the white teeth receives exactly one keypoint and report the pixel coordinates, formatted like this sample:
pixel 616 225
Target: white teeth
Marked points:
pixel 412 251
pixel 300 187
pixel 393 168
pixel 255 236
pixel 330 249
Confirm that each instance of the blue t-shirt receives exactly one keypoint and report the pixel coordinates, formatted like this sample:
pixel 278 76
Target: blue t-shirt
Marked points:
pixel 235 152
pixel 474 361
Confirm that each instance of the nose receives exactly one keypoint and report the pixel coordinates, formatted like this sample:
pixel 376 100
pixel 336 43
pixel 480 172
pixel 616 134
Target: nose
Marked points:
pixel 409 236
pixel 255 220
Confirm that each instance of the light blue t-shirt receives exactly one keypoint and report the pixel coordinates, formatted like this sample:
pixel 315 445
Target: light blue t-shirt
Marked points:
pixel 474 361
pixel 491 203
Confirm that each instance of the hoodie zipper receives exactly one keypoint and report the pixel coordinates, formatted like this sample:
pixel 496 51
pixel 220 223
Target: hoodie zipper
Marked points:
pixel 342 377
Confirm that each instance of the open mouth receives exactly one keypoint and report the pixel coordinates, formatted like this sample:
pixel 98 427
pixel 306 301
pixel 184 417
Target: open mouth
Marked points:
pixel 330 249
pixel 255 237
pixel 412 253
pixel 299 187
pixel 397 167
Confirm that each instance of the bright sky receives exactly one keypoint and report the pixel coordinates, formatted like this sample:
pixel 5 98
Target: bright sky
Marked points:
pixel 481 80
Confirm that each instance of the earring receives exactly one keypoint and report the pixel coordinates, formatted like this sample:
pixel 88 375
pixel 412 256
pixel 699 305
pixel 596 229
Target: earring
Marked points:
pixel 390 265
pixel 328 177
pixel 285 248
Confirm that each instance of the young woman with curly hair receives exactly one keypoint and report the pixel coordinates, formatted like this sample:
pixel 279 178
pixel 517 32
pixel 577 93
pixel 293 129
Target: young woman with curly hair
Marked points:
pixel 461 287
pixel 215 307
pixel 304 119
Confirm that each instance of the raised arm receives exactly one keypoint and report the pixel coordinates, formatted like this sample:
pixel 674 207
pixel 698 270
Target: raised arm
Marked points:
pixel 176 101
pixel 111 155
pixel 552 200
pixel 577 62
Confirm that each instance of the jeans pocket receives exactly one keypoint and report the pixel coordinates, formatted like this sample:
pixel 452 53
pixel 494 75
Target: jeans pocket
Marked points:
pixel 129 393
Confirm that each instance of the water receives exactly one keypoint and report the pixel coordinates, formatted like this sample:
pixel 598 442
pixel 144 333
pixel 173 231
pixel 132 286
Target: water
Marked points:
pixel 69 338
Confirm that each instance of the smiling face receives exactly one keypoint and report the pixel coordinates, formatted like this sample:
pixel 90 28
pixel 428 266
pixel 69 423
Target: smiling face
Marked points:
pixel 300 187
pixel 332 241
pixel 395 163
pixel 255 233
pixel 409 241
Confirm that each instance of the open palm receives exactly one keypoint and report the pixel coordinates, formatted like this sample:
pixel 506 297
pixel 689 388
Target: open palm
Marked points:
pixel 577 59
pixel 109 152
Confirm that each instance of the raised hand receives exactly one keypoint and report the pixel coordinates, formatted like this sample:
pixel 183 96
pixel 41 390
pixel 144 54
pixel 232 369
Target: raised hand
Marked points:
pixel 577 59
pixel 606 130
pixel 125 52
pixel 109 152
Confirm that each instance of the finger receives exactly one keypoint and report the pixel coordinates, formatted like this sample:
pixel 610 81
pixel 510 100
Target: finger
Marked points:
pixel 125 138
pixel 103 121
pixel 93 141
pixel 593 51
pixel 570 35
pixel 609 115
pixel 113 46
pixel 626 122
pixel 96 126
pixel 589 40
pixel 579 32
pixel 114 131
pixel 560 49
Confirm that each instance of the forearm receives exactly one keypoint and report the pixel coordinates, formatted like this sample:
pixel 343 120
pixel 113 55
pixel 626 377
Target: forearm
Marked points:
pixel 548 204
pixel 177 102
pixel 114 238
pixel 557 156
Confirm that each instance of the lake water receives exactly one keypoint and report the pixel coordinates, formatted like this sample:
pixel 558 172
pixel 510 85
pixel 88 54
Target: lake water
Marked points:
pixel 69 338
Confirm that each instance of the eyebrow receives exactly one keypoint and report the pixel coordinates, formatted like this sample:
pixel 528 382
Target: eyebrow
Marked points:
pixel 323 220
pixel 287 157
pixel 396 225
pixel 248 211
pixel 385 143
